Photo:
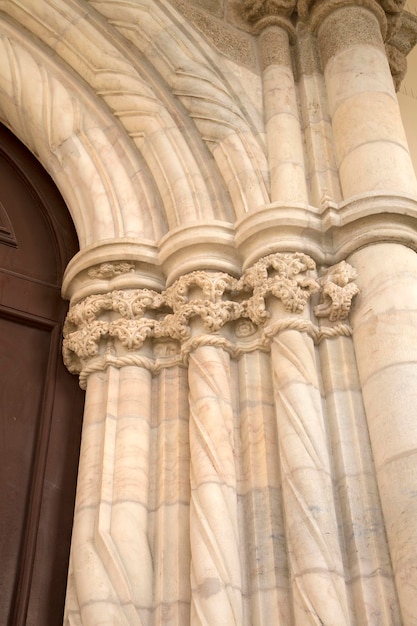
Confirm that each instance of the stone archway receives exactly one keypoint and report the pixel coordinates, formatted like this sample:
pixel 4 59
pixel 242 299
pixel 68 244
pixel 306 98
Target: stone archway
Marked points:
pixel 216 430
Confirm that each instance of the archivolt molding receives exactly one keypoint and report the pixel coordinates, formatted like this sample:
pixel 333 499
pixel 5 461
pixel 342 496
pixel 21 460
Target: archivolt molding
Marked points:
pixel 77 142
pixel 132 87
pixel 206 308
pixel 231 133
pixel 125 132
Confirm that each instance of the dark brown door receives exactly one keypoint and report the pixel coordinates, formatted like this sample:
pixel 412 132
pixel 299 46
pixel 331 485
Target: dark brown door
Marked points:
pixel 40 402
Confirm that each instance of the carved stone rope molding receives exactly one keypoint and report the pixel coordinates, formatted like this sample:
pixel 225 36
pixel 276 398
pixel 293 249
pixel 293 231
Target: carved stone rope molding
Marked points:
pixel 198 309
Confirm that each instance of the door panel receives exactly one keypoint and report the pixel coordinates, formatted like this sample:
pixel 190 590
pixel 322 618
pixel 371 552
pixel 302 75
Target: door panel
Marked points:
pixel 40 402
pixel 23 361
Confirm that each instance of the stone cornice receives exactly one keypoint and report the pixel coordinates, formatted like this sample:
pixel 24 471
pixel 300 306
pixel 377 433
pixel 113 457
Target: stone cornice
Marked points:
pixel 332 233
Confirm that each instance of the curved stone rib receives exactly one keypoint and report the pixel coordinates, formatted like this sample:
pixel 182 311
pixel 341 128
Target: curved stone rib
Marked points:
pixel 71 146
pixel 316 565
pixel 215 574
pixel 106 68
pixel 205 93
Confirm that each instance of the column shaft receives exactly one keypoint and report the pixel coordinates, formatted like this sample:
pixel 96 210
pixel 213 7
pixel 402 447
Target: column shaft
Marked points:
pixel 370 577
pixel 284 142
pixel 385 336
pixel 111 577
pixel 371 147
pixel 316 564
pixel 267 565
pixel 171 463
pixel 215 560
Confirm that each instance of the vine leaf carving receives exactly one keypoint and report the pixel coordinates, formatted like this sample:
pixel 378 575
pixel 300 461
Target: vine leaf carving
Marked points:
pixel 337 292
pixel 202 303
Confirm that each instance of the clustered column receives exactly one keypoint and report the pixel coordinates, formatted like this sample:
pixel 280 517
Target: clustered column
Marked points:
pixel 115 341
pixel 257 538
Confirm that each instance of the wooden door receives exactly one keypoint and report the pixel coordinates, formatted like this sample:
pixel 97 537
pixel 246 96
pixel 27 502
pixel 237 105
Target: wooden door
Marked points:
pixel 40 402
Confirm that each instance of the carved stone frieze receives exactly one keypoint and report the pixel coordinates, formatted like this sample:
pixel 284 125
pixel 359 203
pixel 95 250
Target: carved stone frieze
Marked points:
pixel 195 309
pixel 110 270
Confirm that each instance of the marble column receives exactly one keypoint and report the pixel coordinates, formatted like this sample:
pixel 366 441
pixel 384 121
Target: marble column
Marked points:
pixel 373 162
pixel 371 147
pixel 282 121
pixel 112 563
pixel 216 578
pixel 282 285
pixel 369 574
pixel 317 570
pixel 384 319
pixel 111 570
pixel 268 586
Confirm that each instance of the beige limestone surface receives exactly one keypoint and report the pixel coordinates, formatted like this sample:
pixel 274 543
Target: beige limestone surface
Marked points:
pixel 248 451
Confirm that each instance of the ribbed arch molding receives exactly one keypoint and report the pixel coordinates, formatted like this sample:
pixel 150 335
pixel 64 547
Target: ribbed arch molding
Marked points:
pixel 105 183
pixel 114 68
pixel 231 128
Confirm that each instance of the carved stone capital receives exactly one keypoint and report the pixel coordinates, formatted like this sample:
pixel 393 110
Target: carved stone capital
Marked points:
pixel 255 10
pixel 206 295
pixel 284 276
pixel 337 292
pixel 392 8
pixel 399 45
pixel 316 11
pixel 115 326
pixel 263 14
